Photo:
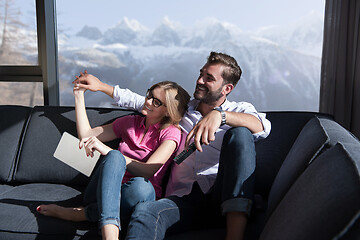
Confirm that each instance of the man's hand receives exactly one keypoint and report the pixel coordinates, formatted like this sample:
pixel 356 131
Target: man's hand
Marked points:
pixel 92 83
pixel 88 82
pixel 204 130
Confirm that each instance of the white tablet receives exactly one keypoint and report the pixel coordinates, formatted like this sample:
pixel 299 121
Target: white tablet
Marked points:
pixel 68 152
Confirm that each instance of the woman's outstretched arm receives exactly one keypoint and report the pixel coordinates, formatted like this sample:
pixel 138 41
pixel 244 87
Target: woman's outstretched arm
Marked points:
pixel 103 133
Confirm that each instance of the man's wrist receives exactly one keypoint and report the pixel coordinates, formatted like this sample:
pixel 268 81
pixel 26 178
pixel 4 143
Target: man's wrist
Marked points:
pixel 108 89
pixel 223 115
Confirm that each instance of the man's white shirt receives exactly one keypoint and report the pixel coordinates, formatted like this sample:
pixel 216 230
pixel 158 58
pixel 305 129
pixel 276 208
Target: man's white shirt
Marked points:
pixel 199 166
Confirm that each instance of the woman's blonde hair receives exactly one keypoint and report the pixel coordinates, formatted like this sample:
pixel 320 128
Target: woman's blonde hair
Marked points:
pixel 176 101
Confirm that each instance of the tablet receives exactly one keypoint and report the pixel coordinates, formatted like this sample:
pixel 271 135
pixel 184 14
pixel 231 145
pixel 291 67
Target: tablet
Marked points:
pixel 68 152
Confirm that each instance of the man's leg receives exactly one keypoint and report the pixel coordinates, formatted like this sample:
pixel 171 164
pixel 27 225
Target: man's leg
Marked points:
pixel 234 186
pixel 152 220
pixel 133 192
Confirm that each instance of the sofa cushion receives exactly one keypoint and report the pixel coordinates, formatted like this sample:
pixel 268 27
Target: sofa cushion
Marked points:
pixel 307 146
pixel 12 122
pixel 322 201
pixel 46 125
pixel 19 204
pixel 272 151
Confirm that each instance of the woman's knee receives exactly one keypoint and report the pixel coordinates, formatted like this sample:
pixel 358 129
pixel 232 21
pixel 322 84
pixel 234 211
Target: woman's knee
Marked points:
pixel 115 158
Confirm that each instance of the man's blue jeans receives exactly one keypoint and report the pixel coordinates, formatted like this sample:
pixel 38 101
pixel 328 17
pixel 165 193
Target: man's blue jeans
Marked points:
pixel 106 199
pixel 232 192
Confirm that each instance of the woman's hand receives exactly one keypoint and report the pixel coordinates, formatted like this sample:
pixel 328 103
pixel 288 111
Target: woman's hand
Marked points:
pixel 92 144
pixel 77 88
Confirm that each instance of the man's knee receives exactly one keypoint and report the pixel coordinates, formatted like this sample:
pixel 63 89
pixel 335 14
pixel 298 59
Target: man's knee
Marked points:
pixel 140 189
pixel 238 135
pixel 238 145
pixel 144 210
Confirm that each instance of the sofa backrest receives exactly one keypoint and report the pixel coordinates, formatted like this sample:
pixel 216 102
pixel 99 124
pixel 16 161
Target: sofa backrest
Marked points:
pixel 272 151
pixel 46 125
pixel 317 136
pixel 12 122
pixel 324 202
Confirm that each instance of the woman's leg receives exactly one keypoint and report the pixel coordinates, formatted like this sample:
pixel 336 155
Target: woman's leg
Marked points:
pixel 68 214
pixel 104 184
pixel 112 170
pixel 89 213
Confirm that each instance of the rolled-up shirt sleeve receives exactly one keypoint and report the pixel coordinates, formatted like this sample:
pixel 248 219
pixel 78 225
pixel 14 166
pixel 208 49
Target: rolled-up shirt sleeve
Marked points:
pixel 266 125
pixel 248 108
pixel 128 99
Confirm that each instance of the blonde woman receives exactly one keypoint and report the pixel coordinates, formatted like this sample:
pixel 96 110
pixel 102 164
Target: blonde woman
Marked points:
pixel 133 173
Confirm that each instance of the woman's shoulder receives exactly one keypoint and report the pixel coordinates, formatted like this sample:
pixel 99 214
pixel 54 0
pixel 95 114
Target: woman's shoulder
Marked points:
pixel 171 130
pixel 128 117
pixel 128 121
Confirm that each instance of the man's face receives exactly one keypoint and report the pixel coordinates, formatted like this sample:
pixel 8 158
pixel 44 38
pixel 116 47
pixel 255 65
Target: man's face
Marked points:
pixel 209 85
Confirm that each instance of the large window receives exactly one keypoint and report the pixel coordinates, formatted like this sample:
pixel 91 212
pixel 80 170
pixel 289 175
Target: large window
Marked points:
pixel 137 43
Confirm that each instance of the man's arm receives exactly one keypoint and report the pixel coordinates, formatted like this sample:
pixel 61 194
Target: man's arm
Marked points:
pixel 236 119
pixel 92 83
pixel 205 129
pixel 123 97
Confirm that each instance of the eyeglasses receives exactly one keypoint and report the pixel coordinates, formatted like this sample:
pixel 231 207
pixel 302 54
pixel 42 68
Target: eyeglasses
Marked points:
pixel 155 101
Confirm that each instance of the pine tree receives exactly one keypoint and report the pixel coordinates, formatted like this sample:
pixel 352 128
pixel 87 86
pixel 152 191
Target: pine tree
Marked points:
pixel 10 32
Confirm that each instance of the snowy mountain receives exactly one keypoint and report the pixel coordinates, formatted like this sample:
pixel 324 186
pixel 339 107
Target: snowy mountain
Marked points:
pixel 304 36
pixel 92 33
pixel 281 65
pixel 165 35
pixel 126 31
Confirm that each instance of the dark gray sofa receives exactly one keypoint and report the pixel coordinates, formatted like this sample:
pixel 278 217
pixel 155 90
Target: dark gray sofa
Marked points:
pixel 307 178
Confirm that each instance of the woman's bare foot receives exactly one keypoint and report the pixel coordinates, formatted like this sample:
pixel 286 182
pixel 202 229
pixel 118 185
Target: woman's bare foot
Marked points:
pixel 69 214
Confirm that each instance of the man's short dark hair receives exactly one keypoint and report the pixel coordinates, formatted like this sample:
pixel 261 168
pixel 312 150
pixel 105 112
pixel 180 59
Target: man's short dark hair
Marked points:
pixel 232 72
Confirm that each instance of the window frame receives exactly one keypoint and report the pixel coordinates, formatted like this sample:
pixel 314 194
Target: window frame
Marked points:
pixel 47 69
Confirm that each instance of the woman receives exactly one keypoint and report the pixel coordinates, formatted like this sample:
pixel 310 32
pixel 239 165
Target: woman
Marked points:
pixel 148 143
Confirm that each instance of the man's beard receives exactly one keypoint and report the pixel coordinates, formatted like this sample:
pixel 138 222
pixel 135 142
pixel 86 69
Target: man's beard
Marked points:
pixel 209 97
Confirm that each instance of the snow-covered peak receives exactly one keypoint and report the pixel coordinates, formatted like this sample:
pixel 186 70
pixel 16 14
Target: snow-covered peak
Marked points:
pixel 166 34
pixel 126 31
pixel 170 24
pixel 131 24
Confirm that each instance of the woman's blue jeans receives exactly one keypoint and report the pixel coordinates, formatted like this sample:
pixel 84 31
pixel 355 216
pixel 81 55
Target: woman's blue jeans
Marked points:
pixel 232 192
pixel 106 199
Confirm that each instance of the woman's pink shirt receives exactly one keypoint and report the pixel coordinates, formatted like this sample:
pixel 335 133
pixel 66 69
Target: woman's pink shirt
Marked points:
pixel 135 145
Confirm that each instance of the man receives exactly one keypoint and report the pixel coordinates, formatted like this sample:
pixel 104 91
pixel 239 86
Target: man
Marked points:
pixel 207 185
